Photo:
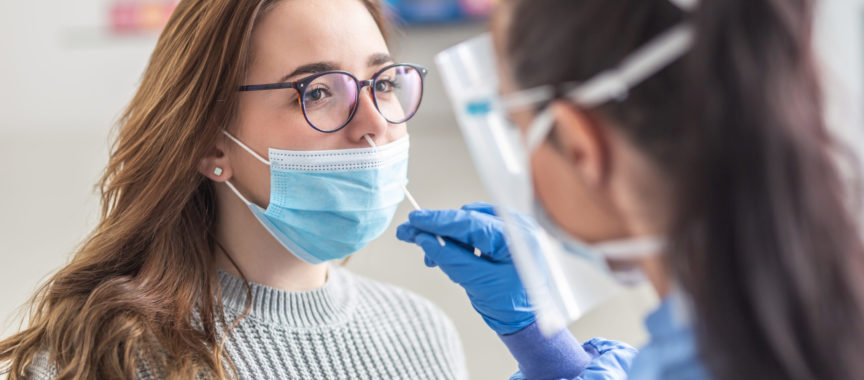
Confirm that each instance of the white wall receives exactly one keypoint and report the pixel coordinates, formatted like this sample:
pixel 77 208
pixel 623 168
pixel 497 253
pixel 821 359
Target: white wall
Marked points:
pixel 60 72
pixel 840 44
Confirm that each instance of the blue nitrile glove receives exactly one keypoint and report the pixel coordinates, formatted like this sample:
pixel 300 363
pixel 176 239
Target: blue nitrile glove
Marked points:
pixel 491 281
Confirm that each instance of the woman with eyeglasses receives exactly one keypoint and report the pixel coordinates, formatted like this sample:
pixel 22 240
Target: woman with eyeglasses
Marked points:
pixel 682 143
pixel 267 139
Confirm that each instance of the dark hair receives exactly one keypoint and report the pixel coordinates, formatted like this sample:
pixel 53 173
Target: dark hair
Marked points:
pixel 763 236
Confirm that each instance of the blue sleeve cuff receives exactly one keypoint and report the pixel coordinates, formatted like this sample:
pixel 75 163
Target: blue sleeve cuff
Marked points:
pixel 610 360
pixel 539 357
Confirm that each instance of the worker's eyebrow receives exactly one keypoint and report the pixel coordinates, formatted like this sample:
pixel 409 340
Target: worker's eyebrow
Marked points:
pixel 311 68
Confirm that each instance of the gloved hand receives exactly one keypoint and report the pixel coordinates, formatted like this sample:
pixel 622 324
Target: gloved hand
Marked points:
pixel 490 280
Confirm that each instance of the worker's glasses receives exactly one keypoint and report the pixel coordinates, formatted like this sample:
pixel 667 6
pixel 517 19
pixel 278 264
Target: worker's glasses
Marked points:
pixel 329 99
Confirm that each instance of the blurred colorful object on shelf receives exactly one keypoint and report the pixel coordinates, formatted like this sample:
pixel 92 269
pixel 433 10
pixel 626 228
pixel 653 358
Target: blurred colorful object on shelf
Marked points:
pixel 440 11
pixel 146 16
pixel 477 8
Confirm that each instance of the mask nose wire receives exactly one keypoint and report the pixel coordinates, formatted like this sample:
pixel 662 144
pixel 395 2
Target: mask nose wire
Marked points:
pixel 408 193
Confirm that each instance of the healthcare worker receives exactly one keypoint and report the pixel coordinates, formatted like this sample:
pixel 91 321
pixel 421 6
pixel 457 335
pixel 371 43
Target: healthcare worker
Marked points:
pixel 676 142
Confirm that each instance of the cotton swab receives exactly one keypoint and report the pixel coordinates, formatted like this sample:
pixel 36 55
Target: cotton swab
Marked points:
pixel 405 190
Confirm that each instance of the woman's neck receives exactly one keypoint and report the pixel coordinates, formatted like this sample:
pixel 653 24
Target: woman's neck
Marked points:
pixel 258 255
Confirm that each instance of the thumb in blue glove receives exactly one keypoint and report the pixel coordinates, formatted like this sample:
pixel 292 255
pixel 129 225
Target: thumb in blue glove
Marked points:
pixel 491 281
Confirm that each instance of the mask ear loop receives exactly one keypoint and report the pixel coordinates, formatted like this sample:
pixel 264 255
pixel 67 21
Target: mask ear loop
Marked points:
pixel 631 249
pixel 237 192
pixel 252 152
pixel 248 149
pixel 539 129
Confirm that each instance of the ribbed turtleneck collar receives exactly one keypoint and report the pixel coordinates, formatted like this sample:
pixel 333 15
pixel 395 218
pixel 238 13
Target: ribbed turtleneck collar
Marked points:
pixel 325 306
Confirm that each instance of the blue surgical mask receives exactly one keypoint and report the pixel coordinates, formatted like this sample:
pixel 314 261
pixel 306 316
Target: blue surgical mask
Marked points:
pixel 326 205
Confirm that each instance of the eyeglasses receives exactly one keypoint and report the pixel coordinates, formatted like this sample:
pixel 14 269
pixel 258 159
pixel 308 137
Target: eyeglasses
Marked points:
pixel 329 99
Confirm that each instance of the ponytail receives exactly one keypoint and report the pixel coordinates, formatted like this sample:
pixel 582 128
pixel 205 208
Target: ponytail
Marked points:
pixel 769 250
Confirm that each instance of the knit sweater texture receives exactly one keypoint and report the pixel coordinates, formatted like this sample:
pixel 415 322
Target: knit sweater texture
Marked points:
pixel 351 328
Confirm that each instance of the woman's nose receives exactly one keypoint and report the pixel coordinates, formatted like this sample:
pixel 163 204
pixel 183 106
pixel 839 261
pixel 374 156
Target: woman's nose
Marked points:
pixel 367 120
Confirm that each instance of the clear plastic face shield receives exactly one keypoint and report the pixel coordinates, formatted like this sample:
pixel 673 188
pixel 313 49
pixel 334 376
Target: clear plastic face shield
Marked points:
pixel 564 277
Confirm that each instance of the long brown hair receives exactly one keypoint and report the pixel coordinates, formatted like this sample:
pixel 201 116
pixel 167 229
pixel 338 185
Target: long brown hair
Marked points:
pixel 763 239
pixel 142 286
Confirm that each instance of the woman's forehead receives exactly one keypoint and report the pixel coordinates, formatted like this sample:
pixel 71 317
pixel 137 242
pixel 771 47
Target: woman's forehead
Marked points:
pixel 301 32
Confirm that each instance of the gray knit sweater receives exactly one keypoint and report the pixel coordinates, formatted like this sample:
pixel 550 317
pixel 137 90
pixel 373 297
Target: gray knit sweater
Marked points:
pixel 351 328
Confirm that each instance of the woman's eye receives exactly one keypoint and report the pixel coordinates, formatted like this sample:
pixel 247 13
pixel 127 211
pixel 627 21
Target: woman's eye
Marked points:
pixel 317 94
pixel 385 85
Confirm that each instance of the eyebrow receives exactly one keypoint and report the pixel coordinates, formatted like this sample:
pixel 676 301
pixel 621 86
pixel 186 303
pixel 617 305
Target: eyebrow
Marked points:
pixel 311 68
pixel 377 59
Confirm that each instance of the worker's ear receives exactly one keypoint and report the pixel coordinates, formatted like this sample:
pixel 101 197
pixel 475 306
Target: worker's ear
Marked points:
pixel 215 164
pixel 582 142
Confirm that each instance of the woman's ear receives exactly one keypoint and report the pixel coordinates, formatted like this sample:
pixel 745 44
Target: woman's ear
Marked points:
pixel 215 164
pixel 582 142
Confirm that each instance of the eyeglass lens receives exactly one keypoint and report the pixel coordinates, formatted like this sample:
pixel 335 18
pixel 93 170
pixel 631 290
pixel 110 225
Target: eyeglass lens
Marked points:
pixel 330 99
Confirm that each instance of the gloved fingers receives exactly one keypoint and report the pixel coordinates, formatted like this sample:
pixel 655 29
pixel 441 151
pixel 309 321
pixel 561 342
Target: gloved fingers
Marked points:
pixel 406 232
pixel 486 208
pixel 453 224
pixel 456 261
pixel 476 229
pixel 524 220
pixel 429 263
pixel 526 223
